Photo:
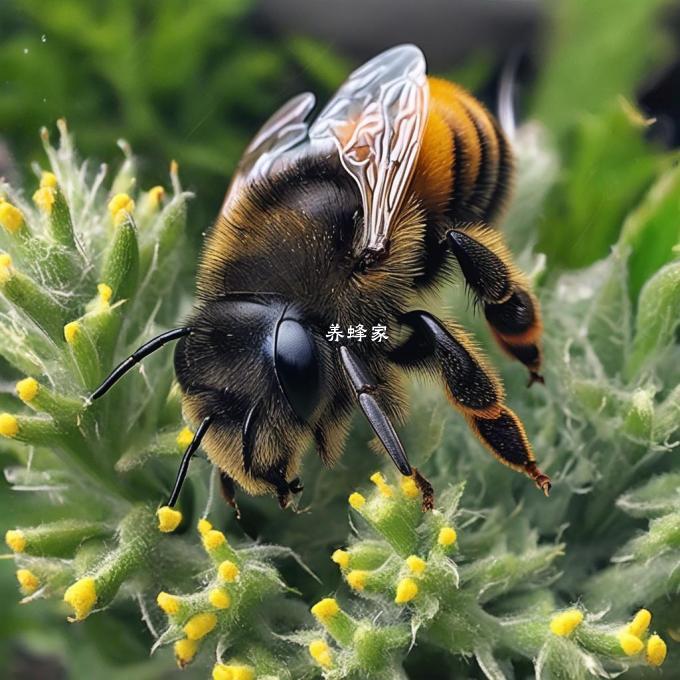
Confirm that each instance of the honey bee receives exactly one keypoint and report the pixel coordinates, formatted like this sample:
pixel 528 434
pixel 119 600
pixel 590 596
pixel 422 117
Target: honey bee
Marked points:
pixel 394 187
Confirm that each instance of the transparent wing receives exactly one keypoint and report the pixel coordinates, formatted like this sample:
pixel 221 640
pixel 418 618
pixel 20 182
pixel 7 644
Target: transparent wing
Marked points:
pixel 281 133
pixel 377 120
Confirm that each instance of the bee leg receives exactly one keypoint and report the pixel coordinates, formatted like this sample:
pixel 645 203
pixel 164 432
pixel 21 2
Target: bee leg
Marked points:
pixel 186 459
pixel 425 488
pixel 471 387
pixel 229 492
pixel 510 307
pixel 517 327
pixel 364 387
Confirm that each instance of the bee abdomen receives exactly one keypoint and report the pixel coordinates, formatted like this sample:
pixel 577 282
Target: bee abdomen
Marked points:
pixel 465 165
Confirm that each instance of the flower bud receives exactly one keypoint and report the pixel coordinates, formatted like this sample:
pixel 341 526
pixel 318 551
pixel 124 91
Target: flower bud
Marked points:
pixel 565 623
pixel 121 262
pixel 199 625
pixel 82 596
pixel 407 589
pixel 28 581
pixel 656 650
pixel 185 651
pixel 321 653
pixel 33 300
pixel 168 519
pixel 11 218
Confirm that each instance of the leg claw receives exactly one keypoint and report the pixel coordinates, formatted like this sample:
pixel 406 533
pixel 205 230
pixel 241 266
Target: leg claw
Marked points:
pixel 542 481
pixel 425 489
pixel 535 377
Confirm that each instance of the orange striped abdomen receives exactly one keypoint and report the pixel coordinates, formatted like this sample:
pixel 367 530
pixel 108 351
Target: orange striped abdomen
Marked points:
pixel 465 165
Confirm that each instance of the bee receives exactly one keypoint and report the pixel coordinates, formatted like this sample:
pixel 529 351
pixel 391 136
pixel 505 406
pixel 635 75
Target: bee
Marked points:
pixel 391 190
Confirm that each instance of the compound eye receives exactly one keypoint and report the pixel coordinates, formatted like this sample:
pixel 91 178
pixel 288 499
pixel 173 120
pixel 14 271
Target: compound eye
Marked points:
pixel 297 367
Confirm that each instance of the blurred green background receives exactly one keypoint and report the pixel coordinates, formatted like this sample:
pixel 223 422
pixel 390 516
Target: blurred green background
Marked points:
pixel 193 80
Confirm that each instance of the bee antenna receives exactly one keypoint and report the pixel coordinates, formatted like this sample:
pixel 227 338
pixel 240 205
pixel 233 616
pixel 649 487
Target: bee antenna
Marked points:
pixel 136 357
pixel 380 423
pixel 186 459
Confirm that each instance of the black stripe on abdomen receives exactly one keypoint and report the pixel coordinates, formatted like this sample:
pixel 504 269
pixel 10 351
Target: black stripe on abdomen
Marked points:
pixel 488 168
pixel 504 176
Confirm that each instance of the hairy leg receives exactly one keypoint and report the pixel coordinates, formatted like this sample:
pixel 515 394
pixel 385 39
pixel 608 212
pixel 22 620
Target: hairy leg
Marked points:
pixel 472 388
pixel 510 307
pixel 229 492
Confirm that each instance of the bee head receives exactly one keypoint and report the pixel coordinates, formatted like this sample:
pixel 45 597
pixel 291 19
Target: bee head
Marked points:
pixel 253 364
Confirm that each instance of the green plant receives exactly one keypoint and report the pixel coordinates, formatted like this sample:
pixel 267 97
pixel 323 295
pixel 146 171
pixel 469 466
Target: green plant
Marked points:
pixel 557 588
pixel 478 580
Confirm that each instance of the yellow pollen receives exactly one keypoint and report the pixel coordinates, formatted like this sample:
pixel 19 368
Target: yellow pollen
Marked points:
pixel 325 609
pixel 416 564
pixel 321 653
pixel 407 589
pixel 356 579
pixel 168 603
pixel 409 488
pixel 447 536
pixel 71 331
pixel 120 202
pixel 221 672
pixel 9 426
pixel 242 672
pixel 156 195
pixel 48 179
pixel 357 501
pixel 232 672
pixel 27 389
pixel 213 540
pixel 200 625
pixel 105 293
pixel 220 599
pixel 121 206
pixel 16 540
pixel 630 644
pixel 168 519
pixel 174 167
pixel 5 268
pixel 203 526
pixel 184 438
pixel 656 650
pixel 228 571
pixel 565 623
pixel 11 218
pixel 44 199
pixel 82 596
pixel 185 651
pixel 28 581
pixel 384 488
pixel 341 558
pixel 640 623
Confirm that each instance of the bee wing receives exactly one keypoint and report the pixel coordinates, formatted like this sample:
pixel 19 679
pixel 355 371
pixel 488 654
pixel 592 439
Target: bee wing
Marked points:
pixel 377 120
pixel 283 131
